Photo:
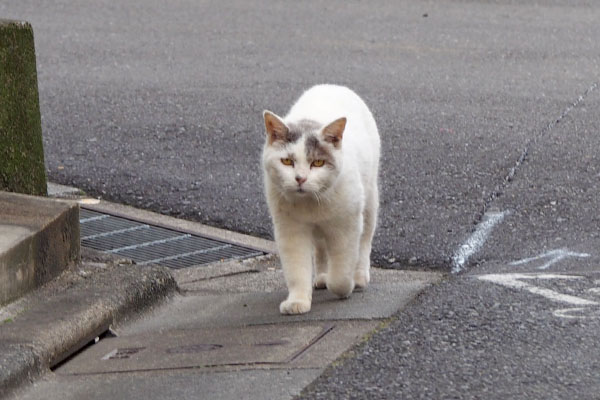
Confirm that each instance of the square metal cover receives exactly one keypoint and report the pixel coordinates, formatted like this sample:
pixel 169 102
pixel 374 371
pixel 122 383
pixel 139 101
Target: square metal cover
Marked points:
pixel 253 345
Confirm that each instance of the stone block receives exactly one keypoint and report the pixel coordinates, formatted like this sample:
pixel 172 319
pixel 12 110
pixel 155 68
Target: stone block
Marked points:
pixel 22 167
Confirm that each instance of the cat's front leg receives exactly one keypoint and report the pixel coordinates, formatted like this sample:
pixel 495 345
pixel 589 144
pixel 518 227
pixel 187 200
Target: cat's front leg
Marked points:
pixel 295 250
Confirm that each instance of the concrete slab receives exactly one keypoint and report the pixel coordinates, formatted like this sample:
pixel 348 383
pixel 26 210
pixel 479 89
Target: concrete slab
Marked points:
pixel 181 385
pixel 225 305
pixel 271 278
pixel 275 381
pixel 291 346
pixel 248 346
pixel 39 238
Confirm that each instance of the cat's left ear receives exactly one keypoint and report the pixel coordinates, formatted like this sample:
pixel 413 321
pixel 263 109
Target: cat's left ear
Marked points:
pixel 334 132
pixel 274 127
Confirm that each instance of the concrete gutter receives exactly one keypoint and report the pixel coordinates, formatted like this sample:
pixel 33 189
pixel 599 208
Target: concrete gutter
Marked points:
pixel 46 326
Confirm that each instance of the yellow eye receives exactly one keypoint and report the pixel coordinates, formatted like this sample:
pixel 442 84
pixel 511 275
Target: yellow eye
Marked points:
pixel 287 161
pixel 318 163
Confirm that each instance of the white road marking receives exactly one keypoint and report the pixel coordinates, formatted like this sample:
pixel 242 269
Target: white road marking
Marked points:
pixel 568 312
pixel 553 255
pixel 514 281
pixel 476 240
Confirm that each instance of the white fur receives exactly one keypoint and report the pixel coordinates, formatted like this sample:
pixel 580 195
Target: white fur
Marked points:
pixel 332 223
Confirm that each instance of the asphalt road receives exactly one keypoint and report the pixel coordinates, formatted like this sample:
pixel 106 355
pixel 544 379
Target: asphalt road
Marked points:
pixel 488 117
pixel 159 104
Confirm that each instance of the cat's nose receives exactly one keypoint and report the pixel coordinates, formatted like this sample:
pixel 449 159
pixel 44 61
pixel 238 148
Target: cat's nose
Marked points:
pixel 300 179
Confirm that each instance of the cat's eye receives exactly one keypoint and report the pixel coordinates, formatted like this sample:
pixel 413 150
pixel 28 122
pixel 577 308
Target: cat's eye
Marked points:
pixel 287 161
pixel 318 163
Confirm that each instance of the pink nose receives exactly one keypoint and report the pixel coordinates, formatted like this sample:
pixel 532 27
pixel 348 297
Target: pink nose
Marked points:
pixel 300 180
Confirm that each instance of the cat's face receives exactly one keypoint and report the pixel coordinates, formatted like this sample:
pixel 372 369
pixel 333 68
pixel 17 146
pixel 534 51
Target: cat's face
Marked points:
pixel 304 158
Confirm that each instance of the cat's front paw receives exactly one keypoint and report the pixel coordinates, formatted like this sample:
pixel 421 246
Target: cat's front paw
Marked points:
pixel 294 306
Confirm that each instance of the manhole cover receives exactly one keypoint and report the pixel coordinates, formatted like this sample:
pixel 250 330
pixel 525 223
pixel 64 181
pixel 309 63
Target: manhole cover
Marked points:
pixel 151 244
pixel 254 345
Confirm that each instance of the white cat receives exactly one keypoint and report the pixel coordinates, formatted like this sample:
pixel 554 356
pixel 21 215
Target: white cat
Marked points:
pixel 320 170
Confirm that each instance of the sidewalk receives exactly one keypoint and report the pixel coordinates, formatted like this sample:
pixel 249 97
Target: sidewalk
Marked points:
pixel 219 335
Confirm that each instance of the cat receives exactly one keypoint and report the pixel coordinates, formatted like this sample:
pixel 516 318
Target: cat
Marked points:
pixel 320 167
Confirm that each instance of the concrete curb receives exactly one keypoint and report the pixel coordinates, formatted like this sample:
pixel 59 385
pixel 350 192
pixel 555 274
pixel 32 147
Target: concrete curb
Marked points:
pixel 39 238
pixel 44 328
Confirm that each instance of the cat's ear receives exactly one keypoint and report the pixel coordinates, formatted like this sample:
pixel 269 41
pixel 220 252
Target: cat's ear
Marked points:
pixel 334 132
pixel 275 128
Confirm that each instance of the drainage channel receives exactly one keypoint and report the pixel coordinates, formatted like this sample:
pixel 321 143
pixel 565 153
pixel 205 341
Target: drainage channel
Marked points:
pixel 151 244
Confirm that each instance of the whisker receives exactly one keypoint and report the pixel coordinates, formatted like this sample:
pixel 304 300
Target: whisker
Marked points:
pixel 317 197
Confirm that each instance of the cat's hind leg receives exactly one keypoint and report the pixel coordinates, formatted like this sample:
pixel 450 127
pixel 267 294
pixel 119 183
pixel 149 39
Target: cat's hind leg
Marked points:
pixel 321 260
pixel 362 274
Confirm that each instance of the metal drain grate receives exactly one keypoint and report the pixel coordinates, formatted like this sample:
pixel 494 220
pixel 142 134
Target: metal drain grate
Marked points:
pixel 151 244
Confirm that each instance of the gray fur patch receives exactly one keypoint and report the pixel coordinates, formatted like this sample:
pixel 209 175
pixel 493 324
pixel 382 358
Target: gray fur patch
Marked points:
pixel 292 136
pixel 315 150
pixel 300 128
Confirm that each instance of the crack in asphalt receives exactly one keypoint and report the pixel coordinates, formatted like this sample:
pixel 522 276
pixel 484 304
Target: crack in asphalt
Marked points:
pixel 501 187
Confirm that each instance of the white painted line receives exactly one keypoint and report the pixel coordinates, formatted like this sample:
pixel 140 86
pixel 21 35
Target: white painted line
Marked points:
pixel 553 255
pixel 514 281
pixel 577 313
pixel 476 240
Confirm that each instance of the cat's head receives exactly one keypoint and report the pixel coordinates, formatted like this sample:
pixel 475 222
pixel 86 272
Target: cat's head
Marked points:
pixel 302 158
